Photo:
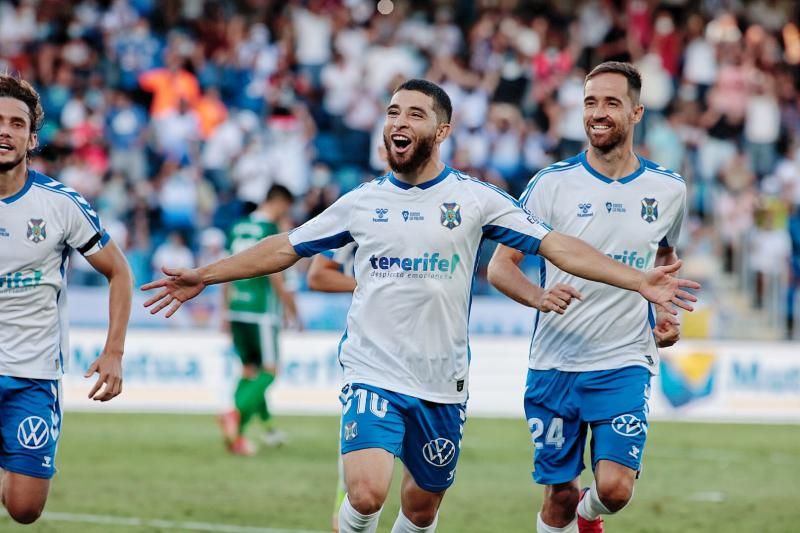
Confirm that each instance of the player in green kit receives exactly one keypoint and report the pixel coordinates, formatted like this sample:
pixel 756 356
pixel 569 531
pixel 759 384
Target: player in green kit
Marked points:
pixel 255 311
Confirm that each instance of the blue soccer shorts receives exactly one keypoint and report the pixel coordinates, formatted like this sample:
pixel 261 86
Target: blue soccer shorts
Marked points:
pixel 425 435
pixel 561 406
pixel 30 424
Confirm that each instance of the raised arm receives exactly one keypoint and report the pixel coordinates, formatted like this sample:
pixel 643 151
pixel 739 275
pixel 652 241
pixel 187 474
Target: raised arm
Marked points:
pixel 580 259
pixel 271 255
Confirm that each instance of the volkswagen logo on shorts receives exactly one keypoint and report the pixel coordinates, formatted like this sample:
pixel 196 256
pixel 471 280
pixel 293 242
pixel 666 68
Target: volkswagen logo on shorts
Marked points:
pixel 627 425
pixel 439 452
pixel 33 432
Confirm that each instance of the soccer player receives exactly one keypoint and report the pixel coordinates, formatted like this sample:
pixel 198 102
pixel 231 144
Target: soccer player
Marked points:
pixel 592 365
pixel 405 353
pixel 332 271
pixel 255 310
pixel 41 220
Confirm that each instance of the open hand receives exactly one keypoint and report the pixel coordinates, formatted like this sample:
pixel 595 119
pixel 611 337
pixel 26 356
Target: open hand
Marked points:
pixel 109 368
pixel 182 284
pixel 661 288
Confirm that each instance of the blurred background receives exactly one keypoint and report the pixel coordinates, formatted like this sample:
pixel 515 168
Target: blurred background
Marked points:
pixel 174 117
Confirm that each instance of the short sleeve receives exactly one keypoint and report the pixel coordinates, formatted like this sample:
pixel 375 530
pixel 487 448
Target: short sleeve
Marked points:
pixel 84 232
pixel 506 222
pixel 328 230
pixel 674 232
pixel 535 200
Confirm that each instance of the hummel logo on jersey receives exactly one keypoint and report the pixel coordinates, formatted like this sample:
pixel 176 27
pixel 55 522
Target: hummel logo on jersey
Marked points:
pixel 634 452
pixel 17 280
pixel 451 215
pixel 383 215
pixel 585 210
pixel 649 210
pixel 627 425
pixel 36 230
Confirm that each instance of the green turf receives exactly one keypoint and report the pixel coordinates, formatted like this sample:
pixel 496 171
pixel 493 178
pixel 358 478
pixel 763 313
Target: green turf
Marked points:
pixel 174 468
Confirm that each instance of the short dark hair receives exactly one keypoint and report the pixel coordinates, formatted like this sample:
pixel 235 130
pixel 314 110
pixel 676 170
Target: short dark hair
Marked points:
pixel 630 72
pixel 441 102
pixel 279 192
pixel 13 87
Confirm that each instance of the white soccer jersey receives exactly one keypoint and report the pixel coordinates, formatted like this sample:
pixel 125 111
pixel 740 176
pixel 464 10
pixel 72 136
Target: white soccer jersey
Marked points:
pixel 414 266
pixel 38 227
pixel 628 220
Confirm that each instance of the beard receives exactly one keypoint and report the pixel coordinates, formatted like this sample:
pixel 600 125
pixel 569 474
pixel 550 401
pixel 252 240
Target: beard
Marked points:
pixel 11 165
pixel 615 137
pixel 411 160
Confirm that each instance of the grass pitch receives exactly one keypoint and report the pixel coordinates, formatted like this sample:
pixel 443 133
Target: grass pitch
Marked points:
pixel 165 473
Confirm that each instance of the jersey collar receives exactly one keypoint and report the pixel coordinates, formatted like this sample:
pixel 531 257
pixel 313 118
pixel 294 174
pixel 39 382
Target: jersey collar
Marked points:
pixel 19 194
pixel 425 185
pixel 630 177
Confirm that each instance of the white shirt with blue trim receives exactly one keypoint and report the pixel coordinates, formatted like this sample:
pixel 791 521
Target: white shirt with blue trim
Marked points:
pixel 39 226
pixel 414 267
pixel 627 219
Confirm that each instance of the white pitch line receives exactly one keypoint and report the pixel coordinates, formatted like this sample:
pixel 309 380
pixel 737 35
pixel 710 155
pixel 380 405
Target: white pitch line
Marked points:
pixel 164 524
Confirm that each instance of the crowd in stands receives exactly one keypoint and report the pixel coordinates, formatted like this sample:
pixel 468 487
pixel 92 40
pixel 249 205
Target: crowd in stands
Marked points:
pixel 173 117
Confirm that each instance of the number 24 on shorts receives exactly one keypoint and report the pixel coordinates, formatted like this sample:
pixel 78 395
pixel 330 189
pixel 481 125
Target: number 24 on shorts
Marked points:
pixel 554 436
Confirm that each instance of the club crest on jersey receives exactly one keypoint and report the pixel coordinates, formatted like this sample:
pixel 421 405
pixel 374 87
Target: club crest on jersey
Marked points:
pixel 451 215
pixel 36 230
pixel 649 210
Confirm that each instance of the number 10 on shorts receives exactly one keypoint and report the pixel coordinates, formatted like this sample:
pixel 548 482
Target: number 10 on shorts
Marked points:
pixel 554 436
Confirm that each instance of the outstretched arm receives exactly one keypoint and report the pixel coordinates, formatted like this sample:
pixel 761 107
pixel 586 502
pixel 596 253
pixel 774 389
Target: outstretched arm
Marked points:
pixel 112 264
pixel 508 278
pixel 270 255
pixel 579 259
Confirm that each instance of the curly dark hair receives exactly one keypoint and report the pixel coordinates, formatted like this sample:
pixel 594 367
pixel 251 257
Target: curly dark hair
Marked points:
pixel 13 87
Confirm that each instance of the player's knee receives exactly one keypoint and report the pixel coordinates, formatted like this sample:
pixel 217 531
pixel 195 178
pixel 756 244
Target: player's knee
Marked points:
pixel 615 494
pixel 365 499
pixel 561 500
pixel 24 513
pixel 422 518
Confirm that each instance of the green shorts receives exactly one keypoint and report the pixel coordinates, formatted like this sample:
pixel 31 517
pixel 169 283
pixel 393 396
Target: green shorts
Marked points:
pixel 256 344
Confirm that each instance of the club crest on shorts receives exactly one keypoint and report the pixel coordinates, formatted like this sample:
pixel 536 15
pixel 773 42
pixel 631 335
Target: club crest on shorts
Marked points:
pixel 649 210
pixel 439 452
pixel 36 230
pixel 451 215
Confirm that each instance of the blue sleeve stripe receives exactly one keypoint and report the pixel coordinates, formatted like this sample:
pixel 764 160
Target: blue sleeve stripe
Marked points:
pixel 77 199
pixel 327 253
pixel 514 239
pixel 309 248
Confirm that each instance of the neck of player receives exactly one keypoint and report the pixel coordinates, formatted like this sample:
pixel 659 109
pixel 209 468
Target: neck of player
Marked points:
pixel 13 180
pixel 616 163
pixel 426 172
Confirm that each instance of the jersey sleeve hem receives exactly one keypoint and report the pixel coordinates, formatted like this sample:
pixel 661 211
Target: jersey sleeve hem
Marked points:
pixel 309 248
pixel 519 241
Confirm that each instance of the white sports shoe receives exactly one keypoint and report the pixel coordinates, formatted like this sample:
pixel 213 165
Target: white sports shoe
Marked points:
pixel 274 438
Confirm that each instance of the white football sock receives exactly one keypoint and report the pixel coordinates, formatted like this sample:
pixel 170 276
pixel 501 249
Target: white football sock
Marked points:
pixel 351 521
pixel 404 525
pixel 590 506
pixel 541 527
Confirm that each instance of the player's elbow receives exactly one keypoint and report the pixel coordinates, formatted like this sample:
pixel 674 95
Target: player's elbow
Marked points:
pixel 316 280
